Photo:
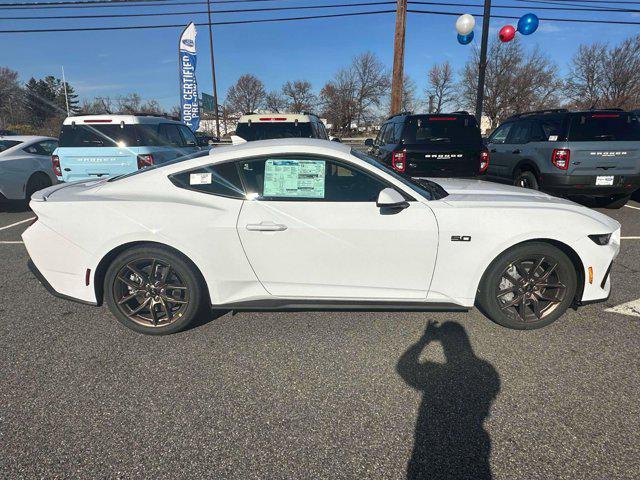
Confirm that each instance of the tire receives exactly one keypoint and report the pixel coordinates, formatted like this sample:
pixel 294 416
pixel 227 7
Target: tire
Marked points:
pixel 36 182
pixel 499 297
pixel 526 179
pixel 147 306
pixel 618 202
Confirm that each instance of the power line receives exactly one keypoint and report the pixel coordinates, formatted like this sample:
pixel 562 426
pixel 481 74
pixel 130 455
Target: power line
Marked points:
pixel 179 25
pixel 120 4
pixel 203 12
pixel 524 7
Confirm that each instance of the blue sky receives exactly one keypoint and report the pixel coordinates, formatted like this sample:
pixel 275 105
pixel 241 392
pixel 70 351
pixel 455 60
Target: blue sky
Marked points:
pixel 145 61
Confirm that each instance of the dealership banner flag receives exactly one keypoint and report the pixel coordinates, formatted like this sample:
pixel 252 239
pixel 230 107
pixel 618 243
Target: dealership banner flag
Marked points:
pixel 189 107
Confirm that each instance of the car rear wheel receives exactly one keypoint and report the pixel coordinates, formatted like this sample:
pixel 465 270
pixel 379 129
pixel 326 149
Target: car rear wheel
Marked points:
pixel 526 179
pixel 37 181
pixel 152 290
pixel 528 286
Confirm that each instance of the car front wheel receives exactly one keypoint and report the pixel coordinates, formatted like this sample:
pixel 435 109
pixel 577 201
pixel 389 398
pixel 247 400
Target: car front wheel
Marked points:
pixel 528 286
pixel 153 290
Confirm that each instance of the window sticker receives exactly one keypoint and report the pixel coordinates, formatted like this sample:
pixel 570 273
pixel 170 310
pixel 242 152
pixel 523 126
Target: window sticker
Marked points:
pixel 200 179
pixel 553 138
pixel 294 178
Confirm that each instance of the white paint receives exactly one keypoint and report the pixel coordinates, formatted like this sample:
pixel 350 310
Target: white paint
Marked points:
pixel 631 308
pixel 635 208
pixel 629 238
pixel 9 242
pixel 17 223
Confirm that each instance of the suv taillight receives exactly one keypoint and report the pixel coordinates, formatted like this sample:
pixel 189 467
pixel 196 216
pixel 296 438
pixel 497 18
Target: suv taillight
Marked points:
pixel 560 158
pixel 145 160
pixel 55 163
pixel 484 161
pixel 399 161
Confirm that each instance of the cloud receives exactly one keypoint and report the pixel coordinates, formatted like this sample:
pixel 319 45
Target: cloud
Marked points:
pixel 84 87
pixel 550 28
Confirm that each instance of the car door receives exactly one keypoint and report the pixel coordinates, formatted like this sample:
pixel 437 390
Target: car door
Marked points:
pixel 172 143
pixel 313 230
pixel 498 151
pixel 189 140
pixel 516 146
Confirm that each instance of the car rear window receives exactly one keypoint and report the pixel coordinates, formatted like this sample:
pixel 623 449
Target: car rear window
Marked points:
pixel 7 144
pixel 428 129
pixel 598 127
pixel 98 136
pixel 266 131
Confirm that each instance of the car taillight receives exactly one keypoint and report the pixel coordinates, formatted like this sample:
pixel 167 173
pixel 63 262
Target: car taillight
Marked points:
pixel 398 161
pixel 145 160
pixel 484 161
pixel 560 158
pixel 55 163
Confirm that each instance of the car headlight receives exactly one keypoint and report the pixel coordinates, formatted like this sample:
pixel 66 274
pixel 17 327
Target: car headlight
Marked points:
pixel 601 239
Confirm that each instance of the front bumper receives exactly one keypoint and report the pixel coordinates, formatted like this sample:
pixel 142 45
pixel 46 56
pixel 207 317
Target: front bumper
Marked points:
pixel 586 185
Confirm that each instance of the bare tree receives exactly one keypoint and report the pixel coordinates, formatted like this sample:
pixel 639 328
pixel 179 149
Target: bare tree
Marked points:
pixel 275 102
pixel 373 83
pixel 247 95
pixel 129 103
pixel 338 100
pixel 584 84
pixel 516 81
pixel 11 98
pixel 299 96
pixel 410 102
pixel 441 86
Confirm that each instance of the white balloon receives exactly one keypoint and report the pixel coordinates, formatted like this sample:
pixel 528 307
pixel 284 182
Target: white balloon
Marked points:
pixel 465 24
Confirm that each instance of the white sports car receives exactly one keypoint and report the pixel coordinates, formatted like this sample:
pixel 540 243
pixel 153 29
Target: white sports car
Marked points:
pixel 311 224
pixel 25 165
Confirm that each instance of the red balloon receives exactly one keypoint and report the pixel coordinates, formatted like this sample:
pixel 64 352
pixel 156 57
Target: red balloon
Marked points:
pixel 507 33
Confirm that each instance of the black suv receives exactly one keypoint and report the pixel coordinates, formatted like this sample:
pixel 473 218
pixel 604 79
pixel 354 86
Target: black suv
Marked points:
pixel 431 145
pixel 594 153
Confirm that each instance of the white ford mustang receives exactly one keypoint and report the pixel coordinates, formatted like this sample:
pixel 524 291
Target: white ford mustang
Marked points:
pixel 310 224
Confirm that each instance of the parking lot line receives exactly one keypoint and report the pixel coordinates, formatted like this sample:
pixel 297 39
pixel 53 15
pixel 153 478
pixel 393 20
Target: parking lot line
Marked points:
pixel 17 223
pixel 11 242
pixel 631 206
pixel 629 238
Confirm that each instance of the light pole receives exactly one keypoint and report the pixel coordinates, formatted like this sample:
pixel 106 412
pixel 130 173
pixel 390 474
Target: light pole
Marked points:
pixel 482 66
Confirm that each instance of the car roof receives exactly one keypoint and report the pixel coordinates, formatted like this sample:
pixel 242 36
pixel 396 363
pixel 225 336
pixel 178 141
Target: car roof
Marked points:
pixel 276 117
pixel 26 138
pixel 221 153
pixel 115 119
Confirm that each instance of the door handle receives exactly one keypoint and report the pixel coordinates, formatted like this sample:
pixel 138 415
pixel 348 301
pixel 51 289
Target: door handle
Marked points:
pixel 517 150
pixel 266 227
pixel 493 150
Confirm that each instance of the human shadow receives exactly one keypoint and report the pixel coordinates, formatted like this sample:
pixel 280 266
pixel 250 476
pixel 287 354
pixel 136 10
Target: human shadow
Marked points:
pixel 450 439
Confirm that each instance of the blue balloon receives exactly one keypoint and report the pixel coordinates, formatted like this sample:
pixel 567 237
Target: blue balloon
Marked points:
pixel 465 39
pixel 528 24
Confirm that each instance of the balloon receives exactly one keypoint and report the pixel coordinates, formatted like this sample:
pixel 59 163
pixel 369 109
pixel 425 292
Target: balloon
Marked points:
pixel 528 24
pixel 506 33
pixel 465 39
pixel 465 24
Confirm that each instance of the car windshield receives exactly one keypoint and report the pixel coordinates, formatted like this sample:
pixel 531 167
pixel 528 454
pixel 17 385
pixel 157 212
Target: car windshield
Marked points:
pixel 605 126
pixel 426 188
pixel 434 129
pixel 266 131
pixel 7 144
pixel 164 164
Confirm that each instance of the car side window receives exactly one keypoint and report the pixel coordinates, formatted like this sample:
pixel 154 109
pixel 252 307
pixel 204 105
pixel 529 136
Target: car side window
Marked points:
pixel 44 148
pixel 188 137
pixel 220 179
pixel 501 133
pixel 380 136
pixel 307 179
pixel 519 133
pixel 170 134
pixel 323 131
pixel 388 134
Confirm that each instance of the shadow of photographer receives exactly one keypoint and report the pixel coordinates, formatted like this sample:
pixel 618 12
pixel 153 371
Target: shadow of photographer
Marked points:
pixel 450 439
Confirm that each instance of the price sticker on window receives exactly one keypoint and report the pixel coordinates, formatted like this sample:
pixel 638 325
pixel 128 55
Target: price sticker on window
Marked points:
pixel 294 178
pixel 200 179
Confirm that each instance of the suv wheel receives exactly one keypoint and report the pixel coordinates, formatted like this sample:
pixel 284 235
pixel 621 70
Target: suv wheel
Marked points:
pixel 526 179
pixel 527 287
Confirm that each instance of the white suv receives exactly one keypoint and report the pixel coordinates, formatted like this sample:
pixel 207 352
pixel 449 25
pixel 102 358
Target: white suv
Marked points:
pixel 265 126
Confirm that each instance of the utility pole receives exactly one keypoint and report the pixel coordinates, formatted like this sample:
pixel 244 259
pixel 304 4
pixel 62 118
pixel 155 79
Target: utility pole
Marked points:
pixel 66 96
pixel 398 57
pixel 482 67
pixel 213 73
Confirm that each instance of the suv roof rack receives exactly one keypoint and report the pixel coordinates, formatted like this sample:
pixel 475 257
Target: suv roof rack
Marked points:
pixel 399 114
pixel 461 112
pixel 537 112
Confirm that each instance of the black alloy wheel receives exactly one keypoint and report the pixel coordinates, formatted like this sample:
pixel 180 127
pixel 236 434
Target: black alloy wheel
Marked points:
pixel 527 179
pixel 153 290
pixel 528 286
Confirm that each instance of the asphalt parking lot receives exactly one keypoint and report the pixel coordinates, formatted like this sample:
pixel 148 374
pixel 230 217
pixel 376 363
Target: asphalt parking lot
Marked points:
pixel 317 395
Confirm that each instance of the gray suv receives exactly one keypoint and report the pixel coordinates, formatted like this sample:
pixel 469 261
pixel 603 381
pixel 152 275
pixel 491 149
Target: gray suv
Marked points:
pixel 593 153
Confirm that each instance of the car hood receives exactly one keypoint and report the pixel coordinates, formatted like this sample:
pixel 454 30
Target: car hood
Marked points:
pixel 480 193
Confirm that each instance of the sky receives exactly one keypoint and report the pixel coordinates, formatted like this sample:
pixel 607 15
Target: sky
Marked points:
pixel 146 61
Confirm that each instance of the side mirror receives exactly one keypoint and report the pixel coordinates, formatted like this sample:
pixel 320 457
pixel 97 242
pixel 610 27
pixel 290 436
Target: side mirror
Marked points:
pixel 368 142
pixel 336 139
pixel 391 198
